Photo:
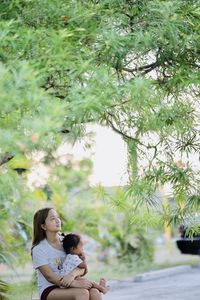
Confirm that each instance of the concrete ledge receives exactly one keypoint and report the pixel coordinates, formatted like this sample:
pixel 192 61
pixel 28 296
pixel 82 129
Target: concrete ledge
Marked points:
pixel 161 273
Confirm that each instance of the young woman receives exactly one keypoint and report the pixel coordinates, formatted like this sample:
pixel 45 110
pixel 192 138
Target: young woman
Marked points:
pixel 48 257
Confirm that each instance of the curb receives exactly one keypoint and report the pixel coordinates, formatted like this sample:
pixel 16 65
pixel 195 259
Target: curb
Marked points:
pixel 148 276
pixel 161 273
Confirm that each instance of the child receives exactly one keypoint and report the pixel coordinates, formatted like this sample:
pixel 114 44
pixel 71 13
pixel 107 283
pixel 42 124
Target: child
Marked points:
pixel 48 255
pixel 73 247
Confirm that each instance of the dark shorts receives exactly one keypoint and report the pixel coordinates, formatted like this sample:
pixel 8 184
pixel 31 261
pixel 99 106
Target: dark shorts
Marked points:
pixel 47 291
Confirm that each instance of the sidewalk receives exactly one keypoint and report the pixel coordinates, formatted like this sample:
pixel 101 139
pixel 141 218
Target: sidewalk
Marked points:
pixel 178 284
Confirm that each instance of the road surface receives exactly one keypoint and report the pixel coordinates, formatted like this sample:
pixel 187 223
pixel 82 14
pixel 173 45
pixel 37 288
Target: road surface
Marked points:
pixel 182 286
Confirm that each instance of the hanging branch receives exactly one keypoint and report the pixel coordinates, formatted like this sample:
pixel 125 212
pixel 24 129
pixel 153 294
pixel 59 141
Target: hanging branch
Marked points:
pixel 5 158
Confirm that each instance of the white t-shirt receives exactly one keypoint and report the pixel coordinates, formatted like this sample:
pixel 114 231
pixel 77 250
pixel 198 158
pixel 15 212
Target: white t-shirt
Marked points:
pixel 70 263
pixel 45 254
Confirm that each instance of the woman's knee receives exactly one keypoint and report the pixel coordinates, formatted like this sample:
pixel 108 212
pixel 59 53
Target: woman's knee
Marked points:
pixel 95 293
pixel 84 294
pixel 94 290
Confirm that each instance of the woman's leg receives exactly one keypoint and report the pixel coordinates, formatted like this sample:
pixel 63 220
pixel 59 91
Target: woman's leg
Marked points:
pixel 95 294
pixel 69 294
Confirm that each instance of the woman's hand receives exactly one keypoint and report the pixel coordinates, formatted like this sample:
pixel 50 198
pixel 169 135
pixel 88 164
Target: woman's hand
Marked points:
pixel 67 280
pixel 83 284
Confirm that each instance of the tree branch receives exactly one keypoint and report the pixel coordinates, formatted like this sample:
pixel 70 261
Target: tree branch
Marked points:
pixel 146 68
pixel 126 136
pixel 5 158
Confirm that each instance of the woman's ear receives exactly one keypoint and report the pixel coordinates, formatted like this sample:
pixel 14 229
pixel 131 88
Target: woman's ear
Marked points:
pixel 43 227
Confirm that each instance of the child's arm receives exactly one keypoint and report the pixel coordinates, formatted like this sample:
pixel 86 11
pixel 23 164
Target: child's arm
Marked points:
pixel 83 265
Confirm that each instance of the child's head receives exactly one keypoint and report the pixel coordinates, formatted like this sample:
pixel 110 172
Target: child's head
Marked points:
pixel 72 244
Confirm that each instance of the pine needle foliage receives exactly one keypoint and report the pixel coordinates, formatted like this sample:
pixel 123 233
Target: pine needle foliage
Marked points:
pixel 131 65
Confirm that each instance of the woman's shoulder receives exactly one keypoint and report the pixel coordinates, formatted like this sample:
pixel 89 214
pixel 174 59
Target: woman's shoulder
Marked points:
pixel 41 246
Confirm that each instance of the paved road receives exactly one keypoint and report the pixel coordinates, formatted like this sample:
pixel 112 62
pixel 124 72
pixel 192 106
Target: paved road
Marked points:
pixel 183 286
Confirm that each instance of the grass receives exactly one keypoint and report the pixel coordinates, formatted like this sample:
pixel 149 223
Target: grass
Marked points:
pixel 22 291
pixel 116 270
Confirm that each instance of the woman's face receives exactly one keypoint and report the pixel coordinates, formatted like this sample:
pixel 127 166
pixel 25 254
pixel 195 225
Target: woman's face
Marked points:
pixel 52 222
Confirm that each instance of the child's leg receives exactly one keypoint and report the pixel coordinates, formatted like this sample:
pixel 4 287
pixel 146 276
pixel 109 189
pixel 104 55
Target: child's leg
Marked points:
pixel 102 282
pixel 101 286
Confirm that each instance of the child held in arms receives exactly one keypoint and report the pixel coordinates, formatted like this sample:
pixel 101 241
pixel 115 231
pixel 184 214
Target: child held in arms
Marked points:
pixel 73 247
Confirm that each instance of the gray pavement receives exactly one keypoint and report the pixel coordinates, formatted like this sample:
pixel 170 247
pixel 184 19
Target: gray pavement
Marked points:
pixel 183 285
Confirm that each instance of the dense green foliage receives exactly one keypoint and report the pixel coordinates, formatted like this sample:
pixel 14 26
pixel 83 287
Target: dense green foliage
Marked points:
pixel 3 290
pixel 130 65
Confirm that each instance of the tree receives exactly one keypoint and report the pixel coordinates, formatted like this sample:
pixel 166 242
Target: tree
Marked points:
pixel 131 65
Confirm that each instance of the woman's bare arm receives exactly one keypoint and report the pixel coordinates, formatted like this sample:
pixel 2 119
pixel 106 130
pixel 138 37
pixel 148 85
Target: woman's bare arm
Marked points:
pixel 59 279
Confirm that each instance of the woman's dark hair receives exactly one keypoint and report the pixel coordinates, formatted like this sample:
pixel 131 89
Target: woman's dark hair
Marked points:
pixel 38 233
pixel 70 241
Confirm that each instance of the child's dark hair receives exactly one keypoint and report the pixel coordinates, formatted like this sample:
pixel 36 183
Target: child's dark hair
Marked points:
pixel 70 241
